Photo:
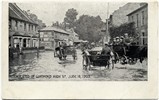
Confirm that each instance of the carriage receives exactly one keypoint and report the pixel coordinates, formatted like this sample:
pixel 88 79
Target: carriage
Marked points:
pixel 129 54
pixel 63 52
pixel 93 57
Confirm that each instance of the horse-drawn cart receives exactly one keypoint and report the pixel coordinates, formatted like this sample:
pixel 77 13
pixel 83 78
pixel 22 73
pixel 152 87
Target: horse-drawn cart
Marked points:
pixel 94 57
pixel 63 52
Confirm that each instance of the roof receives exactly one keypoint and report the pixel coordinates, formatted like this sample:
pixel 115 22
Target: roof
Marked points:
pixel 137 9
pixel 26 35
pixel 17 34
pixel 16 12
pixel 53 29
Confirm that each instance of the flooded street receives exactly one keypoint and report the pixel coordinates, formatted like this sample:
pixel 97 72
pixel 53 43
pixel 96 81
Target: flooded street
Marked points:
pixel 30 68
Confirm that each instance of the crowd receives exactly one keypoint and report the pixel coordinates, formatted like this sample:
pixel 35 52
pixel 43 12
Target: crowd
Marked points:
pixel 123 40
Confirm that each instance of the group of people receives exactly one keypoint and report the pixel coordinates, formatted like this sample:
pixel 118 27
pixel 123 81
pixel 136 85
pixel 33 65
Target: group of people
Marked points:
pixel 123 40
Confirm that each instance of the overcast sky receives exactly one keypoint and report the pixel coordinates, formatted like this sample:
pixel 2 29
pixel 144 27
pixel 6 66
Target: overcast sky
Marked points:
pixel 50 12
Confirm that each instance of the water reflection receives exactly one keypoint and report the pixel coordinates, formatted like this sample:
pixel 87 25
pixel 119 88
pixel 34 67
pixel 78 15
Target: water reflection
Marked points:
pixel 47 64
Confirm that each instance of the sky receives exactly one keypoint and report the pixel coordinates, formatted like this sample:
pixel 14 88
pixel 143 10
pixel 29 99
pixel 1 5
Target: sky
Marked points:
pixel 50 12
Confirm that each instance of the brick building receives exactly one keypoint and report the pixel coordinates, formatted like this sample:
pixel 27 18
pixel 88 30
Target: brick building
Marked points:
pixel 140 17
pixel 51 37
pixel 22 29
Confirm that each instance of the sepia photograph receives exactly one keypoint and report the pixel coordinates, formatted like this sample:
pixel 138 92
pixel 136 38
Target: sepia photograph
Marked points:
pixel 78 41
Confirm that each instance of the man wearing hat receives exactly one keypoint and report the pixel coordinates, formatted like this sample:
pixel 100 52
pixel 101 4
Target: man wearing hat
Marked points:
pixel 106 49
pixel 117 40
pixel 126 39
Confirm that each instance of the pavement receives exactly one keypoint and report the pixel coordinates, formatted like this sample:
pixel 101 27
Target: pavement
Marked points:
pixel 49 68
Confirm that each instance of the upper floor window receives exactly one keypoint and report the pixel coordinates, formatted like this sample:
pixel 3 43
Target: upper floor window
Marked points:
pixel 132 18
pixel 143 18
pixel 10 24
pixel 32 27
pixel 16 23
pixel 29 27
pixel 137 20
pixel 24 26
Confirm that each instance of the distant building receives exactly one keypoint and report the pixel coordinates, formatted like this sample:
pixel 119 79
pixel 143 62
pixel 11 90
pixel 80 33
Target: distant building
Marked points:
pixel 119 17
pixel 51 37
pixel 22 29
pixel 73 36
pixel 140 17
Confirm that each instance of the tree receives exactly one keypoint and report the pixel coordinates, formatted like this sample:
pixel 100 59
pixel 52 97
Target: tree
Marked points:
pixel 70 17
pixel 122 29
pixel 89 28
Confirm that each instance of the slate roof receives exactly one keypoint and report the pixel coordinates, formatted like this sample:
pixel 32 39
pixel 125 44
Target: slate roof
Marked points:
pixel 137 10
pixel 16 12
pixel 54 29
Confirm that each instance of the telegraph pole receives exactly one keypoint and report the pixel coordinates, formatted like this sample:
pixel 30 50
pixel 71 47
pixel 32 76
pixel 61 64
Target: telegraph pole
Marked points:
pixel 107 28
pixel 107 35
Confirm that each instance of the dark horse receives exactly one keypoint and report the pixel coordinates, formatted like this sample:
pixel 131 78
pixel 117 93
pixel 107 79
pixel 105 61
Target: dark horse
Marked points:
pixel 130 54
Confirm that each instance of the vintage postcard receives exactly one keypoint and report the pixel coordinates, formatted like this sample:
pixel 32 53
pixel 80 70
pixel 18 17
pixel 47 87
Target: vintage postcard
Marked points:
pixel 80 44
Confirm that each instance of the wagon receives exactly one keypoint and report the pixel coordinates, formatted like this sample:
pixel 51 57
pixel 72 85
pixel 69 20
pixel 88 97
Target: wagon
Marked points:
pixel 62 53
pixel 129 54
pixel 119 53
pixel 92 58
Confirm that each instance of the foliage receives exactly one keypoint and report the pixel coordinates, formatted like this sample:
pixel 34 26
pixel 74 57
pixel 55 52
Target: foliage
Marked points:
pixel 122 29
pixel 70 17
pixel 89 27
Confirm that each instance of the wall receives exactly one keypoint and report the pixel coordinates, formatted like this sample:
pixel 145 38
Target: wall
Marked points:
pixel 141 27
pixel 120 16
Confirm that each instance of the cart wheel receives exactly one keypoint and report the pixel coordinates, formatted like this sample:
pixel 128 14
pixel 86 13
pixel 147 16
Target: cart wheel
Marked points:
pixel 60 58
pixel 123 60
pixel 113 64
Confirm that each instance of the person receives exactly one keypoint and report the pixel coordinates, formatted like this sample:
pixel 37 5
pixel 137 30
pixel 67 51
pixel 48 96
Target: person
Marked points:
pixel 126 39
pixel 117 40
pixel 106 49
pixel 121 40
pixel 114 41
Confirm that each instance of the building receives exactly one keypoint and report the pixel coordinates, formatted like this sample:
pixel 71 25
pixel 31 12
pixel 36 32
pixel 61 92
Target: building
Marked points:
pixel 140 17
pixel 73 36
pixel 22 29
pixel 51 37
pixel 119 16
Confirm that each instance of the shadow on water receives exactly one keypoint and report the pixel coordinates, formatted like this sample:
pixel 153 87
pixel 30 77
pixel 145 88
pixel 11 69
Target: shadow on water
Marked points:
pixel 21 63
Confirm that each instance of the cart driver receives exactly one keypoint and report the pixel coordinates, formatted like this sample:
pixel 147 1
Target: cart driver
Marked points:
pixel 106 49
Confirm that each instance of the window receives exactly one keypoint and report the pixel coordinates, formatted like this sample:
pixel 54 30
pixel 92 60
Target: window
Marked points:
pixel 29 27
pixel 144 38
pixel 32 27
pixel 24 26
pixel 137 22
pixel 132 18
pixel 10 24
pixel 143 18
pixel 16 24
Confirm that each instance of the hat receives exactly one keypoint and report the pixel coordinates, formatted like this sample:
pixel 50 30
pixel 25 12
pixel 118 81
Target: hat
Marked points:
pixel 126 34
pixel 122 37
pixel 106 43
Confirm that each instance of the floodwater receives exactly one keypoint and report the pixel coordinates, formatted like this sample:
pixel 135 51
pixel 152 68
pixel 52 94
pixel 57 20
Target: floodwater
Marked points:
pixel 28 67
